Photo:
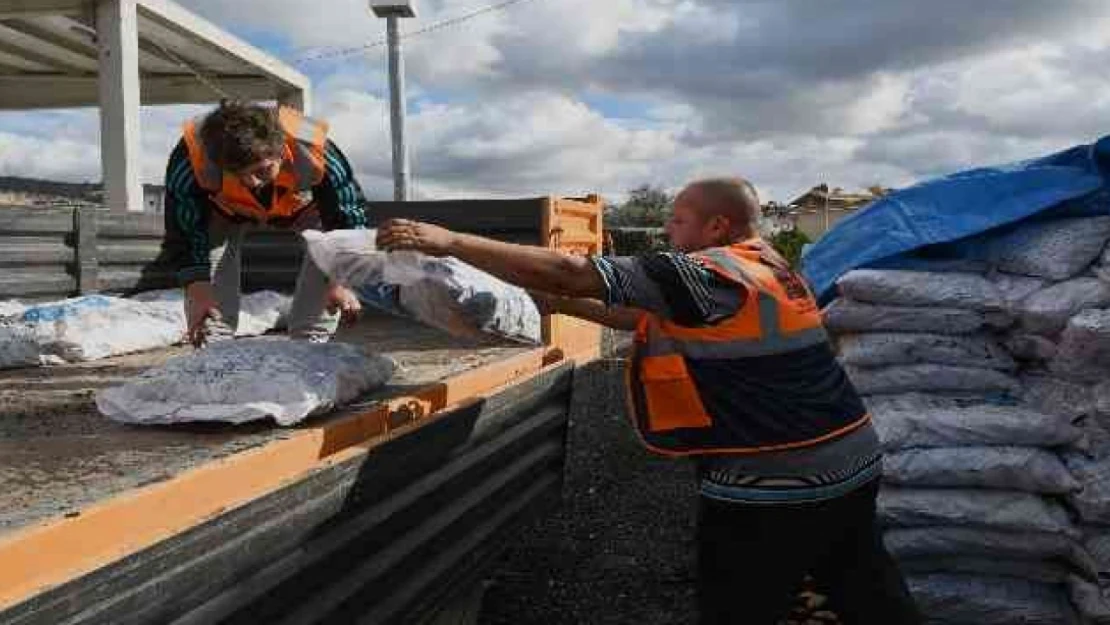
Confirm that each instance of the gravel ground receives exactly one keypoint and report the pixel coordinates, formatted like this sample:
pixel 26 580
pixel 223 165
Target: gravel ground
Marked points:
pixel 620 550
pixel 621 547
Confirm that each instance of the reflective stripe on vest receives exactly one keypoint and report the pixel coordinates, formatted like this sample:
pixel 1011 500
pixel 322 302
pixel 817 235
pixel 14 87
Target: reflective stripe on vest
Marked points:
pixel 302 167
pixel 778 317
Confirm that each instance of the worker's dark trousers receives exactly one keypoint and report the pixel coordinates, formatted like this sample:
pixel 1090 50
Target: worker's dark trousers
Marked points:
pixel 752 561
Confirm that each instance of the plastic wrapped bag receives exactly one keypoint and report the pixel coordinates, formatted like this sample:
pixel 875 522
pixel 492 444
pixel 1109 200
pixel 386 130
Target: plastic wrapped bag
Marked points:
pixel 1026 469
pixel 929 378
pixel 920 289
pixel 1056 396
pixel 1092 502
pixel 1015 288
pixel 847 316
pixel 954 507
pixel 945 542
pixel 11 308
pixel 1047 311
pixel 969 599
pixel 247 380
pixel 445 293
pixel 1030 347
pixel 1043 571
pixel 883 349
pixel 1084 352
pixel 913 421
pixel 1057 249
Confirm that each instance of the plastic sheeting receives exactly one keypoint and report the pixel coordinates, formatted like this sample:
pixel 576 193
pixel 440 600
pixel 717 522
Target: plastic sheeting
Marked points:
pixel 910 223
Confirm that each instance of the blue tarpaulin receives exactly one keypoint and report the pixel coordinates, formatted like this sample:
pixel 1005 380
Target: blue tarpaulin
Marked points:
pixel 940 218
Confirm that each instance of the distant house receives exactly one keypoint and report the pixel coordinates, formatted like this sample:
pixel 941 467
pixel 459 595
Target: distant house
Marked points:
pixel 32 192
pixel 819 209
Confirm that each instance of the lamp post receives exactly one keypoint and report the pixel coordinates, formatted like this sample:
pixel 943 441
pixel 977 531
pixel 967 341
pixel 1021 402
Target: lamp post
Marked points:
pixel 393 10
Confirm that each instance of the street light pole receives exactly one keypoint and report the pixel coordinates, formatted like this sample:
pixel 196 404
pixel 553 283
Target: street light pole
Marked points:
pixel 392 11
pixel 398 114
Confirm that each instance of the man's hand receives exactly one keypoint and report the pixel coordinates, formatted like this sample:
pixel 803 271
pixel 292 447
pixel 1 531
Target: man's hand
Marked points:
pixel 547 303
pixel 403 234
pixel 340 299
pixel 200 305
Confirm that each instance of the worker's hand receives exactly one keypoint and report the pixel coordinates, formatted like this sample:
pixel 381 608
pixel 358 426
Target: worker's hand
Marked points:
pixel 547 303
pixel 340 299
pixel 403 234
pixel 200 305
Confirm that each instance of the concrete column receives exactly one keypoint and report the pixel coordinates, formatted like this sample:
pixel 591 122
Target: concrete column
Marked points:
pixel 117 26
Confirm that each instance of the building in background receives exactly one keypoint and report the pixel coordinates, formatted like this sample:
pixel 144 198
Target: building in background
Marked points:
pixel 817 210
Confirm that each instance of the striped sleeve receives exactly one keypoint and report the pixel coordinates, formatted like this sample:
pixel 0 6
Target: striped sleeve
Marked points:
pixel 186 214
pixel 342 204
pixel 671 285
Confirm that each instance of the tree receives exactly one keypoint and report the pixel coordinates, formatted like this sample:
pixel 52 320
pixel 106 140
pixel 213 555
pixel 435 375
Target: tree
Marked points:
pixel 789 243
pixel 646 207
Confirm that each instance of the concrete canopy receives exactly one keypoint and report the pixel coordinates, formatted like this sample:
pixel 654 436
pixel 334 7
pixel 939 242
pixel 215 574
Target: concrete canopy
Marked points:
pixel 120 54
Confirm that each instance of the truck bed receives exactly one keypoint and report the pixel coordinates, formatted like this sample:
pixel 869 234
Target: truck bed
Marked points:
pixel 58 454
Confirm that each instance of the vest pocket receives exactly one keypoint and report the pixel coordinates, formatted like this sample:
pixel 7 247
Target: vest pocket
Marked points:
pixel 672 399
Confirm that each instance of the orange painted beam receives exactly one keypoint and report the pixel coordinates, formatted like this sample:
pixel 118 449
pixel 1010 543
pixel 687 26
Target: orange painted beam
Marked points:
pixel 44 556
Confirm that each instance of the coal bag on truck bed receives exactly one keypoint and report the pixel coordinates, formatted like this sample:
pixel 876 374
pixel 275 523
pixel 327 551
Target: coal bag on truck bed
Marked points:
pixel 247 380
pixel 445 293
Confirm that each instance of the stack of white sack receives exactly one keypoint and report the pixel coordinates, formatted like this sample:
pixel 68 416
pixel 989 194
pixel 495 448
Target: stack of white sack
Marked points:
pixel 985 389
pixel 445 293
pixel 93 327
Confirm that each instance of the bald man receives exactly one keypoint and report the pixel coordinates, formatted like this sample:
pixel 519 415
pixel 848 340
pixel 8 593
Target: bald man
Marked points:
pixel 732 367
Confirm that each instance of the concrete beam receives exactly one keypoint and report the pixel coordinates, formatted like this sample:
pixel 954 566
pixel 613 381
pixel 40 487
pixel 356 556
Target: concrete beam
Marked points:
pixel 48 91
pixel 29 8
pixel 120 145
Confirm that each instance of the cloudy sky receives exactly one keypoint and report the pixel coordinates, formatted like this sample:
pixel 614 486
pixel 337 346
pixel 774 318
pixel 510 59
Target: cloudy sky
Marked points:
pixel 576 96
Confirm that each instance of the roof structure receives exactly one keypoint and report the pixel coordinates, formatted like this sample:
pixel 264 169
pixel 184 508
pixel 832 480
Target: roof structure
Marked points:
pixel 121 54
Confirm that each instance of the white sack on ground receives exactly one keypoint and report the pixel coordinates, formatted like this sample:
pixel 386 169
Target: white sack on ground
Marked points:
pixel 1015 288
pixel 921 289
pixel 918 421
pixel 1016 468
pixel 442 292
pixel 929 378
pixel 941 542
pixel 969 599
pixel 1058 249
pixel 247 380
pixel 996 509
pixel 847 316
pixel 1047 311
pixel 1084 352
pixel 1030 347
pixel 893 348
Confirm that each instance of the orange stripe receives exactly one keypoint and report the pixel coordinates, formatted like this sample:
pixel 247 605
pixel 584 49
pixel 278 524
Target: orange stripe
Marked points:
pixel 57 551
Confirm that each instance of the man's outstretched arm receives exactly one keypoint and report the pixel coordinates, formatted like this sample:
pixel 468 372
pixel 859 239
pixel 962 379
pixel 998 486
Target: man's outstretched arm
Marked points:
pixel 526 266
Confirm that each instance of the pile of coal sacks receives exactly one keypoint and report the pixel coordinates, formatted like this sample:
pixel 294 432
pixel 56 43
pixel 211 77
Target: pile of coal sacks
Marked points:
pixel 989 384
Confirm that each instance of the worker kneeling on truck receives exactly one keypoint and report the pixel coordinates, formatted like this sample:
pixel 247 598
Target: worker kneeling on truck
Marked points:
pixel 244 167
pixel 732 366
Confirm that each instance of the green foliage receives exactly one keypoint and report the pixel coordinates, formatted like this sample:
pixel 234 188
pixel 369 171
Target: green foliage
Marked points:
pixel 646 207
pixel 789 243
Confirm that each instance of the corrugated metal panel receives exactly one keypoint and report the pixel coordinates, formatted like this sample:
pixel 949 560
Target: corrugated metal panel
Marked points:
pixel 379 538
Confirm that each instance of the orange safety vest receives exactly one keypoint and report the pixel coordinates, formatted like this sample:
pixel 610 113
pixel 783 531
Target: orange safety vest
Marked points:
pixel 765 379
pixel 302 167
